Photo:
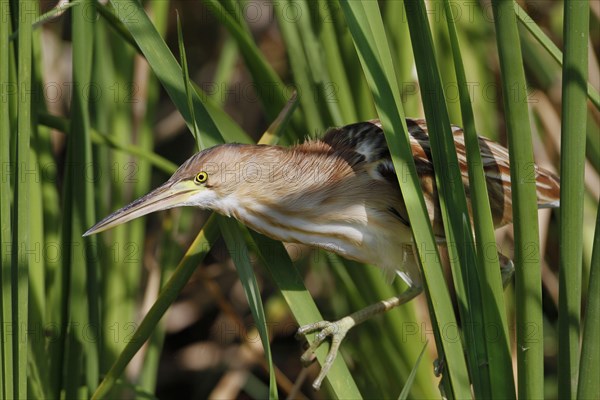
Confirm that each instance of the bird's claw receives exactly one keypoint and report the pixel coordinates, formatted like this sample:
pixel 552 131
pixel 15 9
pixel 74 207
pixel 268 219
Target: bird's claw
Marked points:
pixel 438 366
pixel 337 330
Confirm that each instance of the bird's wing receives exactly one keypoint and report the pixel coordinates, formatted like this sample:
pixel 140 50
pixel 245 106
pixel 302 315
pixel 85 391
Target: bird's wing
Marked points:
pixel 363 144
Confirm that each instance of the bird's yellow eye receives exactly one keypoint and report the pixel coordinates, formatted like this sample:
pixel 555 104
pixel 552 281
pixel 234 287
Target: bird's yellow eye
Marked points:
pixel 200 177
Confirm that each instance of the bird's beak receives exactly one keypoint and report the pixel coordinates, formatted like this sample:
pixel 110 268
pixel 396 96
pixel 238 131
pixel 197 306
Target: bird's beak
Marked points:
pixel 169 195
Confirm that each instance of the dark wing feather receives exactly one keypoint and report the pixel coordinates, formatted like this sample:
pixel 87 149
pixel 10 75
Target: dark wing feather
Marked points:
pixel 364 147
pixel 360 142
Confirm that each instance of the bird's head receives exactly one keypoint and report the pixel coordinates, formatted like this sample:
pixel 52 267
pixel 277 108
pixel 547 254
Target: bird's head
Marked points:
pixel 202 181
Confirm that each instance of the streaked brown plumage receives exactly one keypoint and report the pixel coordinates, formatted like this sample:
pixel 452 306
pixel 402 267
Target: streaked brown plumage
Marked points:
pixel 340 193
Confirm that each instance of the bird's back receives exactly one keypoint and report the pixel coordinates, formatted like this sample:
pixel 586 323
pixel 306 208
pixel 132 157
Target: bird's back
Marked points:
pixel 364 147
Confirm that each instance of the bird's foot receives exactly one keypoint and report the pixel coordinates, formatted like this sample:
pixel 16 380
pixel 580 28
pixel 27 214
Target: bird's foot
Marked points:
pixel 337 330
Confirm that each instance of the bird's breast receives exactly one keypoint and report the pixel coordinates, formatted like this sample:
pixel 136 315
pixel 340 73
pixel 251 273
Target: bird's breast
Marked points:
pixel 357 231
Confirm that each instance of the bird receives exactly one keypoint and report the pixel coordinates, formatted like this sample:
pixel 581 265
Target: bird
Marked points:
pixel 340 193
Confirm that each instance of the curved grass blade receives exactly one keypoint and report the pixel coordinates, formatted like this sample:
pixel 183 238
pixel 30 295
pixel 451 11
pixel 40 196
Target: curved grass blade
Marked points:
pixel 62 124
pixel 117 25
pixel 411 378
pixel 275 130
pixel 188 86
pixel 55 12
pixel 186 267
pixel 232 233
pixel 302 305
pixel 285 275
pixel 235 242
pixel 551 48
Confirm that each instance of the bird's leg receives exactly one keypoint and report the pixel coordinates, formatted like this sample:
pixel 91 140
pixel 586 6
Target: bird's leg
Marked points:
pixel 338 329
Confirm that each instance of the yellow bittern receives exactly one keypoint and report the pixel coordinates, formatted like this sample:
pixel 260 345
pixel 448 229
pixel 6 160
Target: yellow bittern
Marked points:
pixel 339 193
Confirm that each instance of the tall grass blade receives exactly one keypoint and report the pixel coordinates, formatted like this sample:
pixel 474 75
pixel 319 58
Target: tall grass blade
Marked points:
pixel 41 213
pixel 21 243
pixel 524 199
pixel 589 366
pixel 170 257
pixel 6 367
pixel 286 276
pixel 225 69
pixel 82 288
pixel 573 127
